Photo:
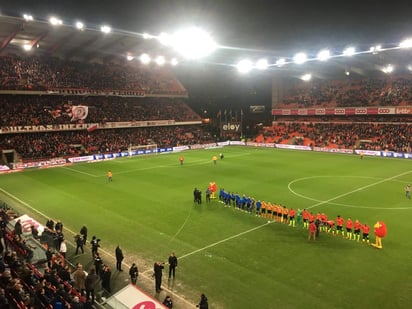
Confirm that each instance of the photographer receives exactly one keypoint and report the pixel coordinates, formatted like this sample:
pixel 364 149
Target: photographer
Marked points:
pixel 203 303
pixel 134 273
pixel 95 245
pixel 79 243
pixel 157 273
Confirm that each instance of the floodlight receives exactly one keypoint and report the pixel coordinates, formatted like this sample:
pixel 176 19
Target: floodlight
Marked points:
pixel 347 72
pixel 160 60
pixel 280 62
pixel 28 17
pixel 350 51
pixel 262 64
pixel 193 43
pixel 27 47
pixel 105 29
pixel 300 58
pixel 55 21
pixel 375 49
pixel 165 39
pixel 145 58
pixel 406 43
pixel 174 62
pixel 147 36
pixel 323 55
pixel 388 69
pixel 79 25
pixel 244 66
pixel 409 67
pixel 306 77
pixel 129 57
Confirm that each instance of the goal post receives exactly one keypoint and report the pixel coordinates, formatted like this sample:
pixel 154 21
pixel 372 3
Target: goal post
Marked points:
pixel 150 149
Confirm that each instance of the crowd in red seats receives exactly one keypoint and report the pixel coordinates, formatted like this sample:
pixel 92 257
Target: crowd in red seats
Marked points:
pixel 44 73
pixel 389 91
pixel 351 135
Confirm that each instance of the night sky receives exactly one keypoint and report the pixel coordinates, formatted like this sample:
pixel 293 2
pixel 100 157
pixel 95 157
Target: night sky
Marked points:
pixel 277 28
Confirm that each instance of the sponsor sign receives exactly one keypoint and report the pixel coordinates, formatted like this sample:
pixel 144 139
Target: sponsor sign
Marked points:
pixel 230 127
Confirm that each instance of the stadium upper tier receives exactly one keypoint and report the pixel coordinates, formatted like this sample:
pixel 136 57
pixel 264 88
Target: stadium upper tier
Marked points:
pixel 52 74
pixel 20 110
pixel 387 91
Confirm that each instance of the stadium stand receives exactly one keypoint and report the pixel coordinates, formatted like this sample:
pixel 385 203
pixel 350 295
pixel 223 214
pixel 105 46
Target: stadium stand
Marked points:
pixel 393 91
pixel 40 98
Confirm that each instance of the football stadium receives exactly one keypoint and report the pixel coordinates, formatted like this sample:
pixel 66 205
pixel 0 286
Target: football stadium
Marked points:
pixel 109 161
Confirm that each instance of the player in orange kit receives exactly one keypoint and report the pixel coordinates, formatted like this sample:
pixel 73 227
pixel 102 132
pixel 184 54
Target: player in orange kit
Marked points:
pixel 349 227
pixel 356 230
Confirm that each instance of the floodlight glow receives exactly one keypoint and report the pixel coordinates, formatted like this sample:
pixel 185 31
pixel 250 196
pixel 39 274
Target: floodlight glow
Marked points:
pixel 244 66
pixel 27 47
pixel 160 60
pixel 375 49
pixel 409 67
pixel 174 61
pixel 388 69
pixel 105 29
pixel 347 73
pixel 300 58
pixel 193 43
pixel 28 17
pixel 145 58
pixel 165 39
pixel 129 57
pixel 55 21
pixel 280 62
pixel 323 55
pixel 406 43
pixel 262 64
pixel 350 51
pixel 147 36
pixel 306 77
pixel 79 25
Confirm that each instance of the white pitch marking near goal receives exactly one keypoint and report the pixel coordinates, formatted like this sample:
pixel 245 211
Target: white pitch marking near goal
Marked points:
pixel 350 192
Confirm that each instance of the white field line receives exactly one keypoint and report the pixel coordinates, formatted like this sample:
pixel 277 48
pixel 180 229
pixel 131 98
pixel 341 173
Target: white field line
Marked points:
pixel 191 163
pixel 77 171
pixel 359 189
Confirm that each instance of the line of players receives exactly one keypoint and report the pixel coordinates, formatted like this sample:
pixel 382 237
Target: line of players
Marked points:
pixel 352 230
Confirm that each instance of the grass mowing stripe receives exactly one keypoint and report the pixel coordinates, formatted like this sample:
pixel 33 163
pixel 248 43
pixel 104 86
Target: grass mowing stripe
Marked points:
pixel 77 171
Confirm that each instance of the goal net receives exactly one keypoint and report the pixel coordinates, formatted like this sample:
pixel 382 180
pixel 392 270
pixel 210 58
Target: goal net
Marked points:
pixel 135 150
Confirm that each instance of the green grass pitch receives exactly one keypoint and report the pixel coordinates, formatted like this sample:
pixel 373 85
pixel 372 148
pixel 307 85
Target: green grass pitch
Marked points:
pixel 239 260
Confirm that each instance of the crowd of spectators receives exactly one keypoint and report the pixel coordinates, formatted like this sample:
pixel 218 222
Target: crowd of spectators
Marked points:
pixel 44 284
pixel 391 91
pixel 368 136
pixel 76 143
pixel 46 73
pixel 20 110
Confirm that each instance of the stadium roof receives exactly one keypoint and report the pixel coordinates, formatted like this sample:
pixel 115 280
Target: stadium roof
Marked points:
pixel 92 45
pixel 69 42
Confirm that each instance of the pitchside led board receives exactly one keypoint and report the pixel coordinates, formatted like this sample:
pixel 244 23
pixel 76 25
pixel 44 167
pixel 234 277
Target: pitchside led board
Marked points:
pixel 230 127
